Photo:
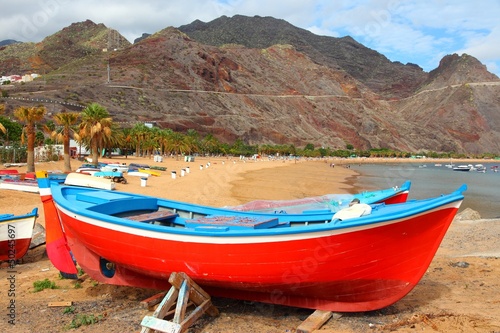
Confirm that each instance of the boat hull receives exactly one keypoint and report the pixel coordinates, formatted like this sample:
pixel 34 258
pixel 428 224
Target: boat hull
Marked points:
pixel 352 269
pixel 15 235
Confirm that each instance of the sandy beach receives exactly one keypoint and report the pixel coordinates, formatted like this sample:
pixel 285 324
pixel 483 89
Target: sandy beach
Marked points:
pixel 458 293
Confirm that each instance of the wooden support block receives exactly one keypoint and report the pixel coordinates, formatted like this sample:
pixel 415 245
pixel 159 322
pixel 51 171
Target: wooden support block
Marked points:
pixel 183 291
pixel 196 294
pixel 62 303
pixel 317 319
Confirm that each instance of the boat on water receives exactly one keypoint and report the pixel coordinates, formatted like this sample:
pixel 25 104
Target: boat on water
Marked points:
pixel 328 202
pixel 316 261
pixel 480 168
pixel 15 234
pixel 462 168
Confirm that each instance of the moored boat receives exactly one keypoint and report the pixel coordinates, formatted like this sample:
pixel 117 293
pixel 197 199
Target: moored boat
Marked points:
pixel 15 234
pixel 312 261
pixel 462 168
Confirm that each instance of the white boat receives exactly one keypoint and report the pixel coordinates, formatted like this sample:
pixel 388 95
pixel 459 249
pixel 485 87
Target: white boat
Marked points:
pixel 20 185
pixel 115 167
pixel 15 234
pixel 462 168
pixel 139 174
pixel 480 168
pixel 85 180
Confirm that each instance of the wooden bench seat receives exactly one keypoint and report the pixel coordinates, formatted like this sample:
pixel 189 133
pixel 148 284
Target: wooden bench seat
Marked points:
pixel 233 221
pixel 153 216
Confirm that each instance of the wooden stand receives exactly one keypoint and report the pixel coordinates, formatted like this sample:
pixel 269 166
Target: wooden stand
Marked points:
pixel 182 291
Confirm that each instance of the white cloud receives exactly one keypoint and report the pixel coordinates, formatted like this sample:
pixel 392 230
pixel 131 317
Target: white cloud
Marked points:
pixel 404 30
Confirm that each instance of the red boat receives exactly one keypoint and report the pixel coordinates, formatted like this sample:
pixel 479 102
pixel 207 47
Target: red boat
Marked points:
pixel 320 262
pixel 15 234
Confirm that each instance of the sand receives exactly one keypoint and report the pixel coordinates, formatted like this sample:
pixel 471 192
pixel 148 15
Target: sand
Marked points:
pixel 459 293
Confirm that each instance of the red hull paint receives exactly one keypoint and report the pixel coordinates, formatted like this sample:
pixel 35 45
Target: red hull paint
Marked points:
pixel 360 270
pixel 55 243
pixel 7 252
pixel 398 198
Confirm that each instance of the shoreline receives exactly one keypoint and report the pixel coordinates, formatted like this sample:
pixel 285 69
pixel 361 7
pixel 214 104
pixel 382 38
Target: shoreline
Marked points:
pixel 227 181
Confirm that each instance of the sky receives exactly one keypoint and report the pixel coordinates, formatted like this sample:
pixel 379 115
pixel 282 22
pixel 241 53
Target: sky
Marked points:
pixel 421 32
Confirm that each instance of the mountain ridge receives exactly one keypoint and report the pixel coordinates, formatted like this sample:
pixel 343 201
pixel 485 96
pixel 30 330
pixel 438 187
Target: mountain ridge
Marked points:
pixel 273 95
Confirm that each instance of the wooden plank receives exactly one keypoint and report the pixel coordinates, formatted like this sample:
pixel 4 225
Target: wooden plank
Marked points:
pixel 167 303
pixel 317 319
pixel 182 301
pixel 158 325
pixel 197 313
pixel 153 300
pixel 153 216
pixel 257 222
pixel 61 303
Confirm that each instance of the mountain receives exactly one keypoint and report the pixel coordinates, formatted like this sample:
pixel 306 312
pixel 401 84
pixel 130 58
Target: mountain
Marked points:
pixel 144 36
pixel 8 42
pixel 70 45
pixel 390 79
pixel 276 92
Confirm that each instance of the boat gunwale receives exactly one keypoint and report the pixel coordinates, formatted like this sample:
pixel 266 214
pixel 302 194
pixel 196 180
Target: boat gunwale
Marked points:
pixel 391 214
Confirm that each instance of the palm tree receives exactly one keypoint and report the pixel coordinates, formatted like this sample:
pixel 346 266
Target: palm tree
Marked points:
pixel 66 120
pixel 2 109
pixel 114 140
pixel 139 133
pixel 163 137
pixel 95 127
pixel 210 144
pixel 192 140
pixel 177 144
pixel 29 116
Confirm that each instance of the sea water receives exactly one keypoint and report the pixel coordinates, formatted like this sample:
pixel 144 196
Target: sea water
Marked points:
pixel 429 180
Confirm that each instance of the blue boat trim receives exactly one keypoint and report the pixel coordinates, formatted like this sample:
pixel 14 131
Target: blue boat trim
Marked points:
pixel 100 205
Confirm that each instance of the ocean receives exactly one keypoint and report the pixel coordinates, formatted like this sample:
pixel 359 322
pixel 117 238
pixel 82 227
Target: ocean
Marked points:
pixel 427 180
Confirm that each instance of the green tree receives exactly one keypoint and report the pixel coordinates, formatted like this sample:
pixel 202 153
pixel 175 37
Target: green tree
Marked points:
pixel 29 116
pixel 139 133
pixel 2 109
pixel 95 127
pixel 66 120
pixel 192 140
pixel 177 144
pixel 210 144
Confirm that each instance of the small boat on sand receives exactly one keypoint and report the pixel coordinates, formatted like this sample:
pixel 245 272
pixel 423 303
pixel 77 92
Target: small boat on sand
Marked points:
pixel 87 180
pixel 15 234
pixel 151 172
pixel 338 262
